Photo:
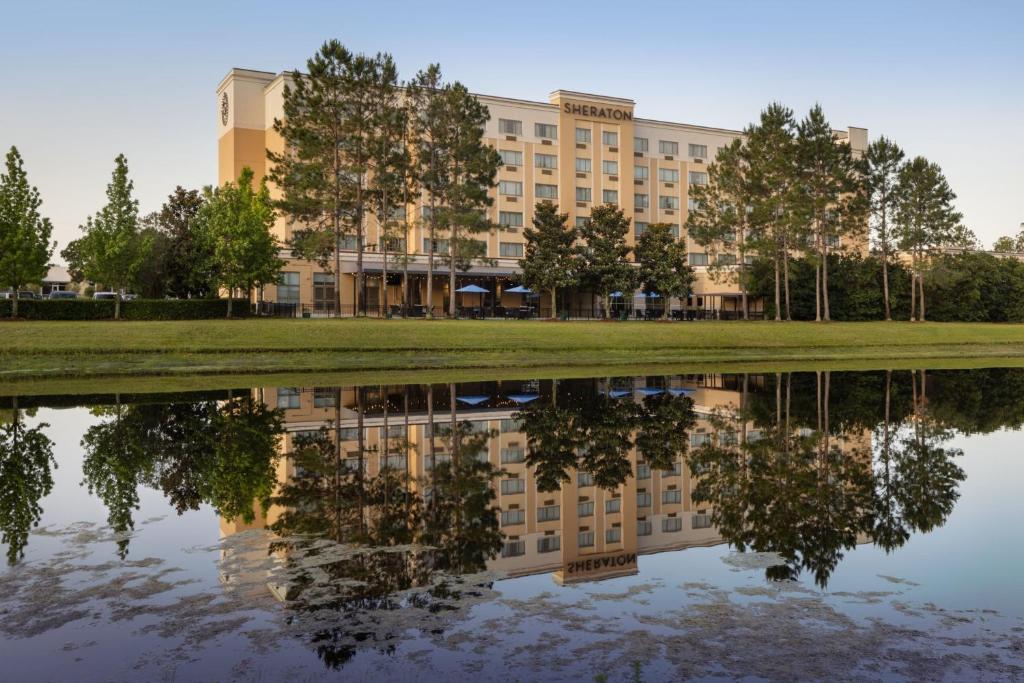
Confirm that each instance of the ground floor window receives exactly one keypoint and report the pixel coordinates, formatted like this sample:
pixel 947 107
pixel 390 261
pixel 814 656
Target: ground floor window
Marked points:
pixel 288 288
pixel 323 290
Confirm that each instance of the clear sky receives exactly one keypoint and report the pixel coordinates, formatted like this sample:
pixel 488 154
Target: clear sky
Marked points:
pixel 84 81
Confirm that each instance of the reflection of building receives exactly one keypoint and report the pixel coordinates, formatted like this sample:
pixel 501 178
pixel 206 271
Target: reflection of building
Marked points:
pixel 577 150
pixel 579 532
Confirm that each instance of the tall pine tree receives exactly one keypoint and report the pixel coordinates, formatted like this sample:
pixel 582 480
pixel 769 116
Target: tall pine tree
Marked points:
pixel 550 259
pixel 603 256
pixel 25 246
pixel 883 161
pixel 664 266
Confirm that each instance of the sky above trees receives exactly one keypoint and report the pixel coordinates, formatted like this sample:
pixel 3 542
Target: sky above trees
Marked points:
pixel 86 81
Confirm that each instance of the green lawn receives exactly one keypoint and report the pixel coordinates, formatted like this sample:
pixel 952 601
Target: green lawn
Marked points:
pixel 34 350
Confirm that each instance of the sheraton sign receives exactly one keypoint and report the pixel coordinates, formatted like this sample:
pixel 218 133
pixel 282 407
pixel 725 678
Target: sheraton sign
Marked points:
pixel 597 112
pixel 591 567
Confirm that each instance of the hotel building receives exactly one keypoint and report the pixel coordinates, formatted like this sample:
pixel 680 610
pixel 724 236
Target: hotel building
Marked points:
pixel 577 150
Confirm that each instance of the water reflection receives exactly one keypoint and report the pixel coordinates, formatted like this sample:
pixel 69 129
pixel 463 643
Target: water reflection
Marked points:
pixel 382 501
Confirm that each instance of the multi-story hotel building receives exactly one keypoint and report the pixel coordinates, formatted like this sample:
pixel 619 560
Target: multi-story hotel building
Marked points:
pixel 577 150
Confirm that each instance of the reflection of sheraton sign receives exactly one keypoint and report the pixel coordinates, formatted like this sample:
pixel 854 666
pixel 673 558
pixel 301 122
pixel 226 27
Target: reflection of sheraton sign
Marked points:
pixel 597 112
pixel 592 565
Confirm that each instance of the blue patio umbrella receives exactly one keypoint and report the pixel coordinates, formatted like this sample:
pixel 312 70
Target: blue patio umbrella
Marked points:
pixel 472 400
pixel 524 398
pixel 616 295
pixel 519 289
pixel 651 391
pixel 472 289
pixel 680 392
pixel 619 393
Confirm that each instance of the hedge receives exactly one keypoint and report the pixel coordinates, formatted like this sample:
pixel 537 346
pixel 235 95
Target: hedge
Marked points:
pixel 138 309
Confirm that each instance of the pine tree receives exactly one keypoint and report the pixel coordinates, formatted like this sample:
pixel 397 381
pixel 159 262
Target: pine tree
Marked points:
pixel 925 220
pixel 829 195
pixel 550 257
pixel 603 256
pixel 770 157
pixel 664 266
pixel 113 248
pixel 236 221
pixel 25 246
pixel 883 161
pixel 720 219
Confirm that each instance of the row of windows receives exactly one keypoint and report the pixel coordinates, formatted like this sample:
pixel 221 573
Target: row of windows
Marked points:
pixel 610 138
pixel 608 167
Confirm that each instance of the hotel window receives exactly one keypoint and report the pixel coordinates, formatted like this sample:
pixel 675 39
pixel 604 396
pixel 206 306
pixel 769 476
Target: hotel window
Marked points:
pixel 582 165
pixel 610 167
pixel 701 521
pixel 669 148
pixel 510 188
pixel 613 535
pixel 288 288
pixel 698 440
pixel 323 291
pixel 677 469
pixel 440 246
pixel 583 135
pixel 510 219
pixel 726 260
pixel 643 470
pixel 581 221
pixel 644 499
pixel 585 509
pixel 610 196
pixel 288 398
pixel 511 157
pixel 668 175
pixel 510 425
pixel 698 259
pixel 549 544
pixel 672 496
pixel 640 144
pixel 639 228
pixel 668 203
pixel 670 524
pixel 674 229
pixel 832 241
pixel 692 205
pixel 546 130
pixel 584 479
pixel 641 173
pixel 348 434
pixel 510 127
pixel 510 517
pixel 392 432
pixel 395 244
pixel 513 549
pixel 545 161
pixel 510 456
pixel 698 151
pixel 583 194
pixel 549 513
pixel 698 178
pixel 644 527
pixel 728 438
pixel 545 191
pixel 510 486
pixel 510 250
pixel 642 201
pixel 323 398
pixel 610 138
pixel 586 539
pixel 348 243
pixel 613 505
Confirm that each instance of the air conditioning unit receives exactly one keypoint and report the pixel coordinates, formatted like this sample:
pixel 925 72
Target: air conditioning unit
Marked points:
pixel 698 161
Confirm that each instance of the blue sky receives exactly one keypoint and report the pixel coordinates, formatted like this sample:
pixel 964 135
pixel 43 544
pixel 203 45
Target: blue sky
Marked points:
pixel 84 81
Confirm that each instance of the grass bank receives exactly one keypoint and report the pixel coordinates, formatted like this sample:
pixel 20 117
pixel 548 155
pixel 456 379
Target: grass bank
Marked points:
pixel 49 350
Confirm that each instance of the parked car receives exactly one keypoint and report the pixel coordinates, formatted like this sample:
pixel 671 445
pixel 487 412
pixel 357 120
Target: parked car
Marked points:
pixel 62 294
pixel 23 294
pixel 106 296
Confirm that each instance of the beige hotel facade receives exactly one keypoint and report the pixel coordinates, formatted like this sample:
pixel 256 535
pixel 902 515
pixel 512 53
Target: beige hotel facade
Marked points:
pixel 577 150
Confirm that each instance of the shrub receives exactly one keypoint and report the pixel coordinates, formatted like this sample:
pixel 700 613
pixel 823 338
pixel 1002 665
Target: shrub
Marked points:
pixel 139 309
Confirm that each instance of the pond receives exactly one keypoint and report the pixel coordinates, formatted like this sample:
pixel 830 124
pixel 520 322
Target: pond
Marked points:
pixel 816 525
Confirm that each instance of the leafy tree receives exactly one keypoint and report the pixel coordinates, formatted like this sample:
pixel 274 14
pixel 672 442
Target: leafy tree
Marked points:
pixel 720 220
pixel 770 156
pixel 829 195
pixel 113 248
pixel 551 260
pixel 313 173
pixel 1005 244
pixel 883 160
pixel 925 219
pixel 962 237
pixel 25 246
pixel 26 476
pixel 603 258
pixel 186 258
pixel 664 266
pixel 236 221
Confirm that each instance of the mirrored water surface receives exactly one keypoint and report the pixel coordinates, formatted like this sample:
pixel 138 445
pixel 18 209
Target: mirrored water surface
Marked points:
pixel 821 525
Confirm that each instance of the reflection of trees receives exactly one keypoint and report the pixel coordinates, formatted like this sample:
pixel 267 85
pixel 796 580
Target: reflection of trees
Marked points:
pixel 221 453
pixel 26 464
pixel 590 431
pixel 809 500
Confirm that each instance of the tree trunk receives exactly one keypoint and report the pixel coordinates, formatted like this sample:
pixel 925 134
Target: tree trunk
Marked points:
pixel 913 288
pixel 785 281
pixel 824 281
pixel 117 305
pixel 451 274
pixel 14 303
pixel 430 263
pixel 920 286
pixel 360 238
pixel 606 304
pixel 554 306
pixel 337 268
pixel 885 284
pixel 778 292
pixel 230 299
